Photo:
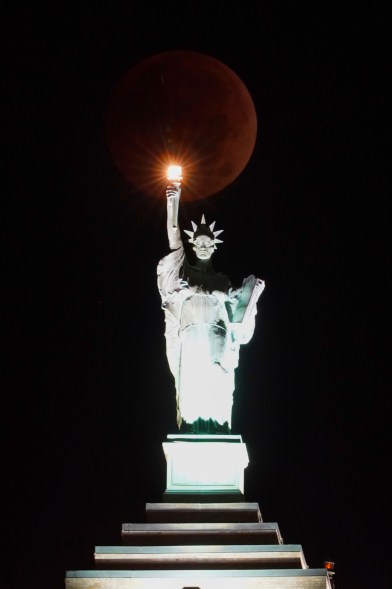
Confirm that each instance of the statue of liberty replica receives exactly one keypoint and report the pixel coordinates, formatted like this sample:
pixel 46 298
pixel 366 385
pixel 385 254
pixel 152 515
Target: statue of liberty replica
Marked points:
pixel 206 321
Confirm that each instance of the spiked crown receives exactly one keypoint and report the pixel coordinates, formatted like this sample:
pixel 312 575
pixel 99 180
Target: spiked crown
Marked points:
pixel 204 229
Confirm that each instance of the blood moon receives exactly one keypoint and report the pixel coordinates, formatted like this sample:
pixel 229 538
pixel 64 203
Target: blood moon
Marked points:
pixel 183 107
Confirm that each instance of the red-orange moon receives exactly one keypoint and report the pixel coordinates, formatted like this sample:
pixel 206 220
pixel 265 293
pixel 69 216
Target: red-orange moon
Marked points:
pixel 186 108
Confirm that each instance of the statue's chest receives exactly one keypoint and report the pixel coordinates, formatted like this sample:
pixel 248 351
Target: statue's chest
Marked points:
pixel 201 308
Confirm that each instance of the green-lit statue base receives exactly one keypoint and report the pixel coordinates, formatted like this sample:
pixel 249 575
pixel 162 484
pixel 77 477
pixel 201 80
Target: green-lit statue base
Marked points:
pixel 202 467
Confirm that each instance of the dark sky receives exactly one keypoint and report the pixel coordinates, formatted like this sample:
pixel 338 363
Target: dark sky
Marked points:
pixel 89 398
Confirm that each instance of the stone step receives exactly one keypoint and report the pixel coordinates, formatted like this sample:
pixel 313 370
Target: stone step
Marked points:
pixel 203 512
pixel 200 533
pixel 190 579
pixel 200 557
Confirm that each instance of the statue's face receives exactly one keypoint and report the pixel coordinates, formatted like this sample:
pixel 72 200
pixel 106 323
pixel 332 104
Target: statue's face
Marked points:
pixel 204 247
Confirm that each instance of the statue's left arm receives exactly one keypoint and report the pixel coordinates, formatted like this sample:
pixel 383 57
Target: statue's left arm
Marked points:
pixel 243 321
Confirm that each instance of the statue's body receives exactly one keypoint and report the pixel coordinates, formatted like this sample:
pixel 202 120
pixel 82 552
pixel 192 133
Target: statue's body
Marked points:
pixel 206 322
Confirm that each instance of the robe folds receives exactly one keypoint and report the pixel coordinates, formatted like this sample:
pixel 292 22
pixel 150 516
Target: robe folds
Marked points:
pixel 202 341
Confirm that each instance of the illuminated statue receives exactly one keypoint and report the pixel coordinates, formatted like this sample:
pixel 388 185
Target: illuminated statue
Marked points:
pixel 206 322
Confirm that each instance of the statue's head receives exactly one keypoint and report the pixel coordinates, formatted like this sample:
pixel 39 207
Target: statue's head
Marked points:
pixel 204 239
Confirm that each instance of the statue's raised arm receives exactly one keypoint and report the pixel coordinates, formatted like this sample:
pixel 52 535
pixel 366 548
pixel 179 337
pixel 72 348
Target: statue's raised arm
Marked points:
pixel 173 194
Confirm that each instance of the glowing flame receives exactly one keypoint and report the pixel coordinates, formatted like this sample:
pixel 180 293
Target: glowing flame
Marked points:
pixel 174 173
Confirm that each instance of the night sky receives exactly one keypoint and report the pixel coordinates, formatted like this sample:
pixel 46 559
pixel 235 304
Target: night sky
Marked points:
pixel 88 396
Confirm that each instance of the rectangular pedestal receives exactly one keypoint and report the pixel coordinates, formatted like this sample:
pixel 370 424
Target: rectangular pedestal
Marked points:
pixel 205 464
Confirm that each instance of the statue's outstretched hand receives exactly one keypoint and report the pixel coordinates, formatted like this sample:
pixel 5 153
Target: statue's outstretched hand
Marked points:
pixel 173 191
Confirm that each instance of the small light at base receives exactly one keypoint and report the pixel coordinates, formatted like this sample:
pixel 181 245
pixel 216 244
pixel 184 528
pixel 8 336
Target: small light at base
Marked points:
pixel 329 565
pixel 174 173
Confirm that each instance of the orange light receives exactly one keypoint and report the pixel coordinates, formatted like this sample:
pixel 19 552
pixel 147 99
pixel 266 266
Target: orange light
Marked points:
pixel 174 173
pixel 329 565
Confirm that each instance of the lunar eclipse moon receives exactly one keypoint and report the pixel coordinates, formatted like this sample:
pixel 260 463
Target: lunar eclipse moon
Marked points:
pixel 181 107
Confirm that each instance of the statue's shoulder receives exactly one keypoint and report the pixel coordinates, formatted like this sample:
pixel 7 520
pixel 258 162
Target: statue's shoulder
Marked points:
pixel 171 262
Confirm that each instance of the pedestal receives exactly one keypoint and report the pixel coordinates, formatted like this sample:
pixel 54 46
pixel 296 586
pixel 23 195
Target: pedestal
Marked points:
pixel 201 466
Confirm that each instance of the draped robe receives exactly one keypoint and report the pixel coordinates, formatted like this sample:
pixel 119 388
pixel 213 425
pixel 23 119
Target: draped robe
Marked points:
pixel 202 341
